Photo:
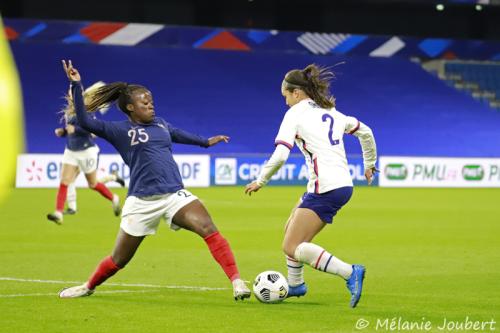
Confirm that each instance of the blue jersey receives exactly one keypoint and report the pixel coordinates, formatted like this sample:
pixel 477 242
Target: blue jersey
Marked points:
pixel 80 139
pixel 145 148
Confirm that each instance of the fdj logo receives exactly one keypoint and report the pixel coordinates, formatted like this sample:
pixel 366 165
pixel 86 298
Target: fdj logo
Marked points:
pixel 473 172
pixel 396 171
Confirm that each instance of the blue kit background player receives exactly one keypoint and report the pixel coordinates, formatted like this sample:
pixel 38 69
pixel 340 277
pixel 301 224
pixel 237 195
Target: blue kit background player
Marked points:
pixel 81 154
pixel 68 172
pixel 313 123
pixel 155 191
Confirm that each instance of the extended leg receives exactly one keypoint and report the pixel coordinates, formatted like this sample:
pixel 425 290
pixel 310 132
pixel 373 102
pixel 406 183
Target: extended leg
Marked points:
pixel 194 217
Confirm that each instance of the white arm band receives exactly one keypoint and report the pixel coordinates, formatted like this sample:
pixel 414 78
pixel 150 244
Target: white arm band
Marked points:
pixel 278 158
pixel 368 146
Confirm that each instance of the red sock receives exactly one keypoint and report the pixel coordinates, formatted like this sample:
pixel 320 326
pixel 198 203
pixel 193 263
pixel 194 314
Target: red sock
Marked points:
pixel 105 192
pixel 61 197
pixel 221 251
pixel 106 269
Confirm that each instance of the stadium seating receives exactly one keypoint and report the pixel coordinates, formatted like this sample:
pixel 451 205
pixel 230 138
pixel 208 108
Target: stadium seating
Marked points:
pixel 238 93
pixel 481 79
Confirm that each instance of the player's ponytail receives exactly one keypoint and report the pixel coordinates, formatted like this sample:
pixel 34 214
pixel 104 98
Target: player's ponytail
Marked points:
pixel 106 94
pixel 314 81
pixel 119 92
pixel 69 108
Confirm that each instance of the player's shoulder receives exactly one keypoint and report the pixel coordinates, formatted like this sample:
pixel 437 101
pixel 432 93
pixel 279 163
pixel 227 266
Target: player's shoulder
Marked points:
pixel 159 121
pixel 120 124
pixel 336 113
pixel 305 104
pixel 299 108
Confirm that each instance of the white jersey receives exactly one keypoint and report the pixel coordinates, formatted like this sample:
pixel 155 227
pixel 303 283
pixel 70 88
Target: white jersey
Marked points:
pixel 319 135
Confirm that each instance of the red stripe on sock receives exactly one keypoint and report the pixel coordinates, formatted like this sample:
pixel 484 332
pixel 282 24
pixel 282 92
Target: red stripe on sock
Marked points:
pixel 292 259
pixel 317 262
pixel 106 269
pixel 221 251
pixel 61 197
pixel 105 192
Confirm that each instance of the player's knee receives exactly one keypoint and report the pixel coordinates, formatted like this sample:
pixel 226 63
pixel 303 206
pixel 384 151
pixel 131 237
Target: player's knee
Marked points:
pixel 202 225
pixel 206 227
pixel 289 248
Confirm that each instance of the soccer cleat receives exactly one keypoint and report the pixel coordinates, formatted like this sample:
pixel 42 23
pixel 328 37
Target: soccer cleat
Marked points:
pixel 240 290
pixel 297 291
pixel 78 291
pixel 116 205
pixel 119 179
pixel 355 284
pixel 56 217
pixel 69 211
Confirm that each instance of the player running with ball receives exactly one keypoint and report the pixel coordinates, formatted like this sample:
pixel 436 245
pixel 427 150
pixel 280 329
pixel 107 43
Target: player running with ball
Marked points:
pixel 313 123
pixel 156 191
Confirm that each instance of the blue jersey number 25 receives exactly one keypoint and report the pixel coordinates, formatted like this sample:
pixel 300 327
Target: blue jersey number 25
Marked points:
pixel 333 141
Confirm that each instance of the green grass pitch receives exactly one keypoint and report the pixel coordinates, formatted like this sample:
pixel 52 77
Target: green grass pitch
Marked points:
pixel 430 254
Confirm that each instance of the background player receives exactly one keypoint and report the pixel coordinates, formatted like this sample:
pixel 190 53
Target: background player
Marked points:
pixel 313 123
pixel 81 153
pixel 71 193
pixel 155 191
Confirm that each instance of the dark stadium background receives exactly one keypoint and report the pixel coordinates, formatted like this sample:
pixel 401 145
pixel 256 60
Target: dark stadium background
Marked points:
pixel 459 19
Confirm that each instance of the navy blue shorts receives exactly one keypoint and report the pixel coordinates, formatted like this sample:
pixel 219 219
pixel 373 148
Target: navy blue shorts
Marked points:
pixel 327 204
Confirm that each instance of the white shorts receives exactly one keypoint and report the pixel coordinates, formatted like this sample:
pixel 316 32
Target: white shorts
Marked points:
pixel 141 216
pixel 86 159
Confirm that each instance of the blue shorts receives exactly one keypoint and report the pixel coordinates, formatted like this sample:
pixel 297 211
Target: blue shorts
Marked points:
pixel 327 204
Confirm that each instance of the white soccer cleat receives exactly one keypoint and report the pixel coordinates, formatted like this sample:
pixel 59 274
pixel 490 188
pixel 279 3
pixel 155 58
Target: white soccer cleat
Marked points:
pixel 240 290
pixel 116 205
pixel 78 291
pixel 56 217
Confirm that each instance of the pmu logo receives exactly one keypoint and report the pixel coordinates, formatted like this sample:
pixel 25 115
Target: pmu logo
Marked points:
pixel 473 172
pixel 396 171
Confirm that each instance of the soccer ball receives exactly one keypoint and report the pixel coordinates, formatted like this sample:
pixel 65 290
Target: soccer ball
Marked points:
pixel 270 287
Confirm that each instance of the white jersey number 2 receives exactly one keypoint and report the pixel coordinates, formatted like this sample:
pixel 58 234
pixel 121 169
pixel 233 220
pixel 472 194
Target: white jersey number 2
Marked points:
pixel 138 136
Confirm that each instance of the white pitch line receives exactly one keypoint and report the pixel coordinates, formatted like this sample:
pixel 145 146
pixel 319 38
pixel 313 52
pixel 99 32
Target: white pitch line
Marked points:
pixel 196 288
pixel 100 292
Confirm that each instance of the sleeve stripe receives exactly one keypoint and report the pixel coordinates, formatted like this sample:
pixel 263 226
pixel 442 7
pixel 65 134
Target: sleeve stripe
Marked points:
pixel 354 129
pixel 284 143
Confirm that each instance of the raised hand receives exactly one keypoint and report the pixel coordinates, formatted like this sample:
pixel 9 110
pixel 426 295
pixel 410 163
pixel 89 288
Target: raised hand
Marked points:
pixel 71 72
pixel 216 139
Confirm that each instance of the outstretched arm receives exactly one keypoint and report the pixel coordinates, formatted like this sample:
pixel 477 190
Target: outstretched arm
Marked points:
pixel 284 143
pixel 86 122
pixel 276 161
pixel 369 148
pixel 184 137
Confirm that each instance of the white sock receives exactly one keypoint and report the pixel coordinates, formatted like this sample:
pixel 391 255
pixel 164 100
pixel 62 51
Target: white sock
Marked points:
pixel 295 271
pixel 71 196
pixel 318 258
